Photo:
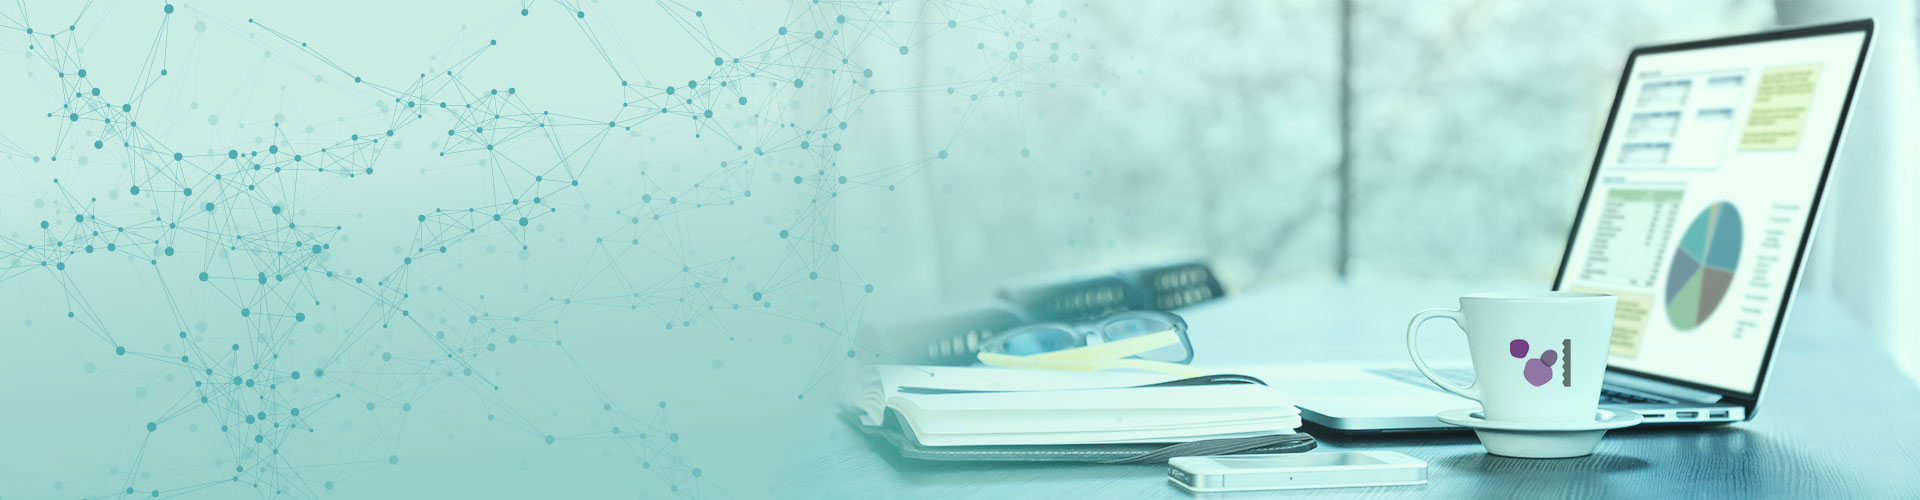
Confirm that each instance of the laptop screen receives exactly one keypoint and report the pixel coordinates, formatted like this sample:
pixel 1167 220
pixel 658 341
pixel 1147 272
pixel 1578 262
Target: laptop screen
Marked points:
pixel 1703 194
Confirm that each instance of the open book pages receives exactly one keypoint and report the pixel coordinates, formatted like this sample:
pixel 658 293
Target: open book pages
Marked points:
pixel 1032 407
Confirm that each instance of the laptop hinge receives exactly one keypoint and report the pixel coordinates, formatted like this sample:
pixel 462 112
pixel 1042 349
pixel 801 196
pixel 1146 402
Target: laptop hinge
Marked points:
pixel 1662 389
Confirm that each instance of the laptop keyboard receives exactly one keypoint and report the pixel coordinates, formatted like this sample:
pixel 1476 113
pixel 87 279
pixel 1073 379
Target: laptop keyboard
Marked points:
pixel 1411 376
pixel 1617 397
pixel 1466 375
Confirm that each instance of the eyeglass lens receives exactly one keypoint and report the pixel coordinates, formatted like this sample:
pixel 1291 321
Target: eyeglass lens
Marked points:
pixel 1041 340
pixel 1133 327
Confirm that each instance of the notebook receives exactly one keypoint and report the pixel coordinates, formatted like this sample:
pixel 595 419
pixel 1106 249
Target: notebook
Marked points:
pixel 945 406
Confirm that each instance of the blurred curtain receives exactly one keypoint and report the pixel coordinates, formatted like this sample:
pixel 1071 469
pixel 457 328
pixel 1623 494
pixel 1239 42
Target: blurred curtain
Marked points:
pixel 1869 230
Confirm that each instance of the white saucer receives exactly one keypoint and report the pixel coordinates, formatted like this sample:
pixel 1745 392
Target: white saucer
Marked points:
pixel 1541 440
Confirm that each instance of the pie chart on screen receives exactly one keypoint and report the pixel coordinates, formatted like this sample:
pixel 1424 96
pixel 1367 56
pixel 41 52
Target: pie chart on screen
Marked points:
pixel 1703 266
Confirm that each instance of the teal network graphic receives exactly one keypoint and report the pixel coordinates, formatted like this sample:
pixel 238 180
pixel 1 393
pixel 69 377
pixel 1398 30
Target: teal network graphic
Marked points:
pixel 459 249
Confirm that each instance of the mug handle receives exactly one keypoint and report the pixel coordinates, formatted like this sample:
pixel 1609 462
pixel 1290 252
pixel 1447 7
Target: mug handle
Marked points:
pixel 1471 391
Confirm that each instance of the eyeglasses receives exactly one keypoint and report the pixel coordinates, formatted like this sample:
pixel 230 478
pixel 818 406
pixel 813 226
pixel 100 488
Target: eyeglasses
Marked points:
pixel 1147 340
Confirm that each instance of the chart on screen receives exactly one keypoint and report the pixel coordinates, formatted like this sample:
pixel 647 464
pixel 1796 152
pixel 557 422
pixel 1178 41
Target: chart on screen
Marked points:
pixel 1703 266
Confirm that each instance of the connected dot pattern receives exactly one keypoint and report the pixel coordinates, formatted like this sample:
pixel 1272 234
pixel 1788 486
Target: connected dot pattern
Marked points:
pixel 306 276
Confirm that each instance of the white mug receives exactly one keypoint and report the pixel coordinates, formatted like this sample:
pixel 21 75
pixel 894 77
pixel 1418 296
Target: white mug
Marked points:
pixel 1537 356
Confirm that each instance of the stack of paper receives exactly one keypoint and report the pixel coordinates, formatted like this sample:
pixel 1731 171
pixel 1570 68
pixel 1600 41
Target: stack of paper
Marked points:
pixel 1049 407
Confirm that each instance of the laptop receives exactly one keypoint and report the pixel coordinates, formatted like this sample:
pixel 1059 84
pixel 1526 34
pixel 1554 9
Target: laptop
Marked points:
pixel 1698 213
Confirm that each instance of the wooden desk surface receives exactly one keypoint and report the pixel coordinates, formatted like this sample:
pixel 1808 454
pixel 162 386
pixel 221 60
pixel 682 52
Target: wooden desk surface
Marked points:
pixel 1837 420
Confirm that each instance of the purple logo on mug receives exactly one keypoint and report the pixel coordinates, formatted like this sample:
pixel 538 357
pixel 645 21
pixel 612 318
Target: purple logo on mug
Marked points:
pixel 1538 370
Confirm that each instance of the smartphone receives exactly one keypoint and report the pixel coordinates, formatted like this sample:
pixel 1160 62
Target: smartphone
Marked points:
pixel 1295 470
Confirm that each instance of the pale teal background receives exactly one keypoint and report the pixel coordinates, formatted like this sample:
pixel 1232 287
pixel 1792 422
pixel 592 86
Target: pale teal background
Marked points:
pixel 1025 139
